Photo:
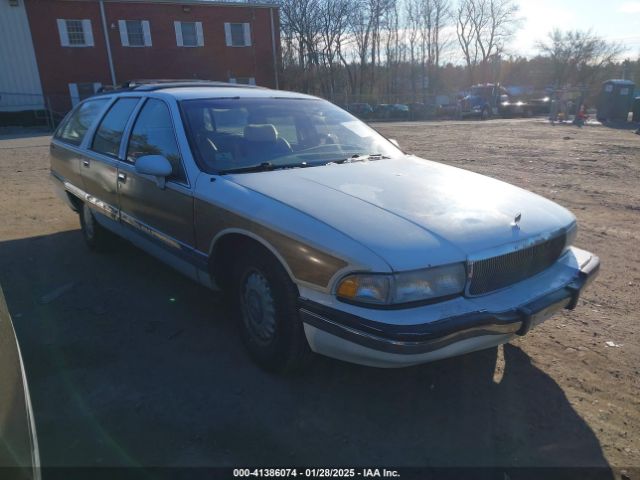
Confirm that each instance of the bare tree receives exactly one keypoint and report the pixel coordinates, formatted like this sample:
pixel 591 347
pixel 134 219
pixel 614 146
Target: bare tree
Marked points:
pixel 413 27
pixel 301 24
pixel 577 56
pixel 467 35
pixel 483 26
pixel 333 24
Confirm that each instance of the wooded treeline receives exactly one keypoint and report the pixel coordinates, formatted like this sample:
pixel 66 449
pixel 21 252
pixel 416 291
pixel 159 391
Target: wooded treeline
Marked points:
pixel 409 50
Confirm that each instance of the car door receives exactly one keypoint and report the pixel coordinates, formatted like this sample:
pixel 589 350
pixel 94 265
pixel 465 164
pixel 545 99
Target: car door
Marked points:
pixel 160 211
pixel 66 149
pixel 100 162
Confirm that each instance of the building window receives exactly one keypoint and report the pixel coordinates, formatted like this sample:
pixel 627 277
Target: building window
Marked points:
pixel 237 34
pixel 80 91
pixel 243 80
pixel 189 34
pixel 134 33
pixel 75 33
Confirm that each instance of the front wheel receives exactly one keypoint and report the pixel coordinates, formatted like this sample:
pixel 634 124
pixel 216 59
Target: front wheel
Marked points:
pixel 95 235
pixel 266 301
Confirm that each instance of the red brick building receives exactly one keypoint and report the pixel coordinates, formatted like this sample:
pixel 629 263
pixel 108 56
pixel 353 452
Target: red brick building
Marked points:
pixel 81 45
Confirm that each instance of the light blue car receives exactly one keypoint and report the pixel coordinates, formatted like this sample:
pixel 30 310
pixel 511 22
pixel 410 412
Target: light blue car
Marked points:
pixel 325 236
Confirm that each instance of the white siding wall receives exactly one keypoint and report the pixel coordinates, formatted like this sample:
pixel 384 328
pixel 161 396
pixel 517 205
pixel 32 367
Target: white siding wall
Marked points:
pixel 18 67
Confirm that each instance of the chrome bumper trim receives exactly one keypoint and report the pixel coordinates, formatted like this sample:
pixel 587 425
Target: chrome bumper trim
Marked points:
pixel 430 336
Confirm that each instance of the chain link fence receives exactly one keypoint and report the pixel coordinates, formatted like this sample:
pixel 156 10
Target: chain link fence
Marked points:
pixel 32 109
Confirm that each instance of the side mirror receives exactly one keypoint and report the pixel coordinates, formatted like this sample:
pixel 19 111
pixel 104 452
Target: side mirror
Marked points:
pixel 394 141
pixel 156 166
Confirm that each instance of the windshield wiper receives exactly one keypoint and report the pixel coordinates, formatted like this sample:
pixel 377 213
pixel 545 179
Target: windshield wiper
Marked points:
pixel 261 167
pixel 361 158
pixel 264 167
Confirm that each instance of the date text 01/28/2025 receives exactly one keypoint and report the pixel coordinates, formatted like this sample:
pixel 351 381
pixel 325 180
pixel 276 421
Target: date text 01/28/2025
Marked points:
pixel 315 473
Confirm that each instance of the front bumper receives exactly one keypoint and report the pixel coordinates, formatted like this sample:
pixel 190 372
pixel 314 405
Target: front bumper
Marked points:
pixel 353 338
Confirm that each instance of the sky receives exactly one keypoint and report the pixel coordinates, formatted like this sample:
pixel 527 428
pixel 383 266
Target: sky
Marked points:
pixel 615 20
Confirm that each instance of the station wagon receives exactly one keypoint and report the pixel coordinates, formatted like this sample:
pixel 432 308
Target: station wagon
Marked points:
pixel 324 235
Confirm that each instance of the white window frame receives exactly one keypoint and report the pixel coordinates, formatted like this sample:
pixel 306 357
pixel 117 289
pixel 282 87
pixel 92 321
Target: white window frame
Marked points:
pixel 177 25
pixel 124 34
pixel 64 34
pixel 246 27
pixel 75 94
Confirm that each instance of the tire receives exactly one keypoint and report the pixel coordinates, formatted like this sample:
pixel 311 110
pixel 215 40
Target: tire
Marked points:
pixel 265 301
pixel 485 114
pixel 98 238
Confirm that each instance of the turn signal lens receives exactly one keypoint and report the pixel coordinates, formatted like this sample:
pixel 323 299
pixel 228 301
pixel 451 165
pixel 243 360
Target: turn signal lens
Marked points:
pixel 365 288
pixel 348 288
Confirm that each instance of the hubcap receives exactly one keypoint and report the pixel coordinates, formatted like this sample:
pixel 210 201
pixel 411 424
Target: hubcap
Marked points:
pixel 258 309
pixel 87 216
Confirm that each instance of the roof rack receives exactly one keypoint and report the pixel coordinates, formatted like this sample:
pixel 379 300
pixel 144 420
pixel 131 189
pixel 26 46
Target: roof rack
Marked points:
pixel 148 85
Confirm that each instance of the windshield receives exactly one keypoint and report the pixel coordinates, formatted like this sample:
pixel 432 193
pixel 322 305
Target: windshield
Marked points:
pixel 235 134
pixel 482 91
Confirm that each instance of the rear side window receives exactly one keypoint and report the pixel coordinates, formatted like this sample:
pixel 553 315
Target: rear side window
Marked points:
pixel 109 133
pixel 75 128
pixel 153 134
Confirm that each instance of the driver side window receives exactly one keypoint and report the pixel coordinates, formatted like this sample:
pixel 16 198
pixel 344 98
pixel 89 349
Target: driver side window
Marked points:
pixel 153 134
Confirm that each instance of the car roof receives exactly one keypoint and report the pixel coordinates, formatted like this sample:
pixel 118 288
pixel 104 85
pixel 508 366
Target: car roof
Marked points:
pixel 190 93
pixel 189 90
pixel 619 81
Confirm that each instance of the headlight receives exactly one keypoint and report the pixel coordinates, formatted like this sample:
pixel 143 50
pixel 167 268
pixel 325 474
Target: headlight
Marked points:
pixel 403 287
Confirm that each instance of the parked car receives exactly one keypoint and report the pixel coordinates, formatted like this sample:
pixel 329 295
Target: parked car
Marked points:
pixel 324 234
pixel 391 111
pixel 489 100
pixel 19 453
pixel 540 105
pixel 421 111
pixel 361 110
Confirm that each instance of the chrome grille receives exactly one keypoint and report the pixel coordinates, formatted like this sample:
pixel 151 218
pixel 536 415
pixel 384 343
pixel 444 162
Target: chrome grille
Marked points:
pixel 494 273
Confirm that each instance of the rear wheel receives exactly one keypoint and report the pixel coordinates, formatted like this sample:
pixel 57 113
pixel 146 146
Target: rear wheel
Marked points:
pixel 95 235
pixel 266 304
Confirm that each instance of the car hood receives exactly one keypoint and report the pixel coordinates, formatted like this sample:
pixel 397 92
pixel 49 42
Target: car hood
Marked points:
pixel 410 211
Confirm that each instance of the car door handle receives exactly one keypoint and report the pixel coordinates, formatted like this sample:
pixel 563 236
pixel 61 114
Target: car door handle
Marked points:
pixel 85 163
pixel 122 177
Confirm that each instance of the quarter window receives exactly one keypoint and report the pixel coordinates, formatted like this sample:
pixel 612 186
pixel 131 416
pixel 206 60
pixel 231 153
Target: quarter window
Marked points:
pixel 74 129
pixel 109 133
pixel 153 134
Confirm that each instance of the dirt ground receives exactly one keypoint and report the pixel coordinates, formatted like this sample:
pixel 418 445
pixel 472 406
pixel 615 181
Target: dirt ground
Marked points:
pixel 132 364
